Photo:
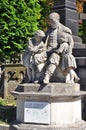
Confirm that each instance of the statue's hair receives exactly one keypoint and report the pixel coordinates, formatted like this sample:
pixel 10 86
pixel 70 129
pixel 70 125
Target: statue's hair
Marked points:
pixel 54 15
pixel 63 35
pixel 40 33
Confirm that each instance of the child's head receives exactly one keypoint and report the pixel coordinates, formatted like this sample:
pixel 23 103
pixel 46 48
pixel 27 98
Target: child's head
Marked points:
pixel 39 34
pixel 62 37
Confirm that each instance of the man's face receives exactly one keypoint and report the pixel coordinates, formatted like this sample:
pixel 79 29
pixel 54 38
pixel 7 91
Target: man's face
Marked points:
pixel 54 22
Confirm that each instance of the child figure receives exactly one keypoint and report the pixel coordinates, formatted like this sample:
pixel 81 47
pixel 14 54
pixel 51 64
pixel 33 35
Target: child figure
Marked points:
pixel 68 63
pixel 35 54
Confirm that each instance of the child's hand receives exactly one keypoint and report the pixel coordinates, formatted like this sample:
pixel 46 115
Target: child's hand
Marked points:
pixel 41 50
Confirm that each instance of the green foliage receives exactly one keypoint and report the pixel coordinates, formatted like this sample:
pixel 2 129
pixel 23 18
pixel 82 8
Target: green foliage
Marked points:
pixel 46 6
pixel 18 21
pixel 84 32
pixel 7 114
pixel 80 33
pixel 3 102
pixel 82 27
pixel 7 111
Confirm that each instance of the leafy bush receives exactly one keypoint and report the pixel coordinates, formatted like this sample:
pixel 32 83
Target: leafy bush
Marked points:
pixel 7 111
pixel 3 102
pixel 46 6
pixel 18 21
pixel 7 114
pixel 82 27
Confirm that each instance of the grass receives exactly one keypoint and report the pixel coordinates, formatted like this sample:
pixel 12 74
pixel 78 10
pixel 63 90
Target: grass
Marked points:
pixel 7 112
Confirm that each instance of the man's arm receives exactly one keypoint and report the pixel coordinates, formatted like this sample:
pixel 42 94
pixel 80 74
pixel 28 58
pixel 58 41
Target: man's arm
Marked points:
pixel 66 29
pixel 61 48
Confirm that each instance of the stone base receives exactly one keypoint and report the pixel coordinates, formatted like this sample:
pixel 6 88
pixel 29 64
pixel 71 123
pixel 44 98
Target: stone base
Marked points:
pixel 76 126
pixel 53 104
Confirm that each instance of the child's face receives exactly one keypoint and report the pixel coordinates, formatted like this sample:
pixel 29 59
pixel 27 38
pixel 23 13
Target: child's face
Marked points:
pixel 38 38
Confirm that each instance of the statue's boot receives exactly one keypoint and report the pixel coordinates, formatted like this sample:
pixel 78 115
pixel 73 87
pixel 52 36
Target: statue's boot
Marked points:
pixel 49 72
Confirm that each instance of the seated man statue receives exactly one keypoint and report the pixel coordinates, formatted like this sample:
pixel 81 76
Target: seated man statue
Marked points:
pixel 52 44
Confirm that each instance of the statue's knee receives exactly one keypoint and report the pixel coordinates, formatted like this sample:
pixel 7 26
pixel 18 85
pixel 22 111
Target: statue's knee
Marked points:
pixel 54 59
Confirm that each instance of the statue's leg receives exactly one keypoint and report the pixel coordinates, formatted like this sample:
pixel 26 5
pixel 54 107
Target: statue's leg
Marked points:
pixel 33 75
pixel 40 66
pixel 50 70
pixel 73 76
pixel 28 73
pixel 67 78
pixel 54 62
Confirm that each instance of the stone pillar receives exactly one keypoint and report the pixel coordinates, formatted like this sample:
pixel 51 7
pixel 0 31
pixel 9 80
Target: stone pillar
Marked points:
pixel 69 15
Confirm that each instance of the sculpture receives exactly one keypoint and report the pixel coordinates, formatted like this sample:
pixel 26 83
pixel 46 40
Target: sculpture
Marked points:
pixel 52 44
pixel 68 63
pixel 56 51
pixel 35 56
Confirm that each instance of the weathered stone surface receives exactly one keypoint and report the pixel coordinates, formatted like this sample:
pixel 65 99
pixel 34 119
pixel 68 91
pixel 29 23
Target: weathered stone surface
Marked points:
pixel 76 126
pixel 13 75
pixel 52 90
pixel 51 87
pixel 20 126
pixel 58 95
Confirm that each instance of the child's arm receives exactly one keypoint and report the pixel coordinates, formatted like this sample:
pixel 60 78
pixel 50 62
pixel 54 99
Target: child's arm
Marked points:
pixel 60 49
pixel 31 47
pixel 42 47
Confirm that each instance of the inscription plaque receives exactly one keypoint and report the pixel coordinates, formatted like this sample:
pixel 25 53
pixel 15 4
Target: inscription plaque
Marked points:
pixel 37 112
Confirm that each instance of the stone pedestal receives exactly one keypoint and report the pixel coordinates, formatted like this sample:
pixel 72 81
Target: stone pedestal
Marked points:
pixel 54 106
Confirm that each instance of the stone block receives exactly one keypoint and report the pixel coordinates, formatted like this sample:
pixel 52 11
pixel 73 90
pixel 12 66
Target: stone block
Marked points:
pixel 76 126
pixel 13 75
pixel 56 96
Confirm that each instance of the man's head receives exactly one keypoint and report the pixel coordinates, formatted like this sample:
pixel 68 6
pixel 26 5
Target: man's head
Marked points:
pixel 39 34
pixel 54 15
pixel 54 19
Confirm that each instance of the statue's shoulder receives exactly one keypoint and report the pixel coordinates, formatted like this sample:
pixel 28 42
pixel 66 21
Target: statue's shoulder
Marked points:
pixel 31 41
pixel 68 30
pixel 64 28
